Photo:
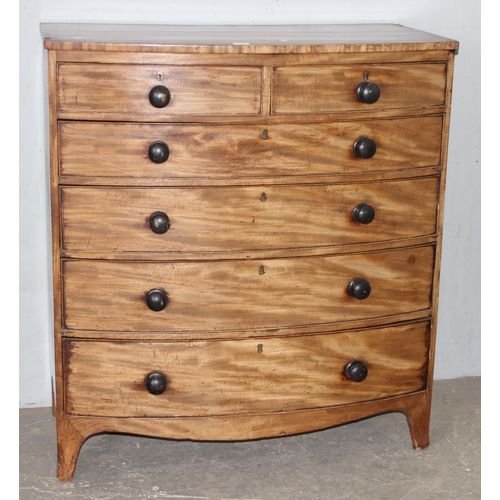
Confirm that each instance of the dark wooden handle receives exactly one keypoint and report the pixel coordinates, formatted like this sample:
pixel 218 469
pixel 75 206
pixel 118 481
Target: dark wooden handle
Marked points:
pixel 363 213
pixel 158 152
pixel 159 222
pixel 368 92
pixel 157 299
pixel 364 147
pixel 356 371
pixel 156 383
pixel 359 288
pixel 159 96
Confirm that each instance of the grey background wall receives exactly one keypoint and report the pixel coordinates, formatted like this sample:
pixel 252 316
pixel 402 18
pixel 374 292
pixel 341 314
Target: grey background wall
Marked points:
pixel 458 347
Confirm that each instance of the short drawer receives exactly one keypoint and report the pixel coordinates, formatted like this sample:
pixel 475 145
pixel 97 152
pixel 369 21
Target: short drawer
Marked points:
pixel 125 89
pixel 181 152
pixel 125 379
pixel 329 89
pixel 244 294
pixel 231 219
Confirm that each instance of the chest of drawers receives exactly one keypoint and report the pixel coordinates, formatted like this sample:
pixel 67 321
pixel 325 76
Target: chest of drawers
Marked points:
pixel 246 227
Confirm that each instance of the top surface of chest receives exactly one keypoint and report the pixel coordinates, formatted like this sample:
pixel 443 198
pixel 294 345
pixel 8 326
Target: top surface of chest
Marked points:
pixel 277 39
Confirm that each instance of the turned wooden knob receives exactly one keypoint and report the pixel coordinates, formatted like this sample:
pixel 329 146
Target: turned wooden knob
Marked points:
pixel 364 147
pixel 159 96
pixel 159 222
pixel 368 92
pixel 158 152
pixel 359 288
pixel 156 383
pixel 157 299
pixel 363 213
pixel 356 371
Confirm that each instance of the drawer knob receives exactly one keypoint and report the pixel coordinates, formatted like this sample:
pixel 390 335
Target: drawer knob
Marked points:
pixel 359 288
pixel 368 92
pixel 159 222
pixel 156 383
pixel 158 152
pixel 159 96
pixel 356 371
pixel 364 147
pixel 157 299
pixel 363 213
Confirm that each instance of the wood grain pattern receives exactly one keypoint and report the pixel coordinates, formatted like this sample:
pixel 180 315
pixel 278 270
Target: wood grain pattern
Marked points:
pixel 233 377
pixel 193 90
pixel 239 151
pixel 255 59
pixel 324 89
pixel 235 219
pixel 227 295
pixel 241 39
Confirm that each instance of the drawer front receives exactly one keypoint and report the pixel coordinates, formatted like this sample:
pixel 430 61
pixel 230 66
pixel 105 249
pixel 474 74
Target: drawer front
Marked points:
pixel 230 219
pixel 243 377
pixel 328 89
pixel 243 294
pixel 97 150
pixel 115 88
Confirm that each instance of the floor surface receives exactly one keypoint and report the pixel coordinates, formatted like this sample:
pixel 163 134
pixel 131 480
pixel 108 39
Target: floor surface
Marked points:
pixel 372 459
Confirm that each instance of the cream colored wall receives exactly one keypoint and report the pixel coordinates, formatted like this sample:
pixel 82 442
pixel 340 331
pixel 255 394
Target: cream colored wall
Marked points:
pixel 458 347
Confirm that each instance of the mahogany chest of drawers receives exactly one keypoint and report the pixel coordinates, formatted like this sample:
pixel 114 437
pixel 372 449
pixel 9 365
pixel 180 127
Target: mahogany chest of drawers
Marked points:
pixel 246 227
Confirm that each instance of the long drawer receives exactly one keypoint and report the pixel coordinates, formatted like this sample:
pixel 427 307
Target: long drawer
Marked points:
pixel 327 89
pixel 244 376
pixel 125 88
pixel 244 294
pixel 229 219
pixel 96 150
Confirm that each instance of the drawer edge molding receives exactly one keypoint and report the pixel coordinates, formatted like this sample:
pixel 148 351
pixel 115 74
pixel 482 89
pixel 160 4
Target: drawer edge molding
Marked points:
pixel 346 326
pixel 341 178
pixel 253 254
